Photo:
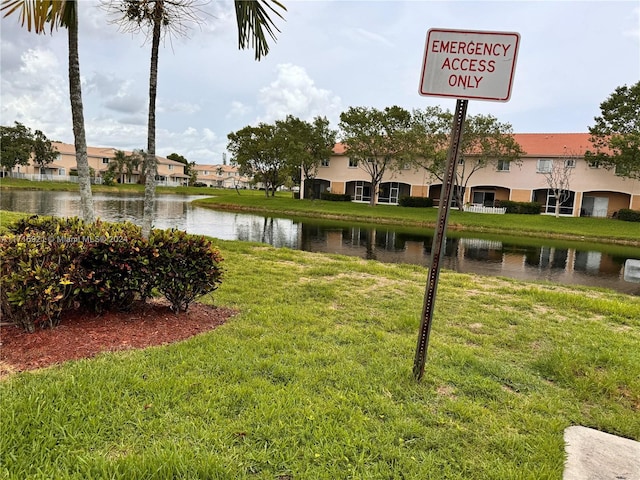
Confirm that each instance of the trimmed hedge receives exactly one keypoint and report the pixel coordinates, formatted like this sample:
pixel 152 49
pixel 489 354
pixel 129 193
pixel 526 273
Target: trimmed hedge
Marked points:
pixel 525 208
pixel 628 215
pixel 420 202
pixel 50 265
pixel 335 197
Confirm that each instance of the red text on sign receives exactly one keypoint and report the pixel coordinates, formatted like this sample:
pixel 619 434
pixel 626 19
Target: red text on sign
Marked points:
pixel 471 48
pixel 469 65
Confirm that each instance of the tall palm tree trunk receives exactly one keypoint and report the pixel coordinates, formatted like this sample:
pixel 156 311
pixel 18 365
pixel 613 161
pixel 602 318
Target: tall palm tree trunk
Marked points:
pixel 151 166
pixel 77 115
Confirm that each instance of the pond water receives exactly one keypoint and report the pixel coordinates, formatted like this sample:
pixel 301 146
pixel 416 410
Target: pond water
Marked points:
pixel 527 259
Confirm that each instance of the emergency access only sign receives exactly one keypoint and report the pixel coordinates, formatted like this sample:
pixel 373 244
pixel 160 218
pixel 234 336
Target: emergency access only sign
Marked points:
pixel 469 64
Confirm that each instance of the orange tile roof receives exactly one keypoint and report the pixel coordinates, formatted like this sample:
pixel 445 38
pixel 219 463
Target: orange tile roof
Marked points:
pixel 107 152
pixel 537 144
pixel 553 144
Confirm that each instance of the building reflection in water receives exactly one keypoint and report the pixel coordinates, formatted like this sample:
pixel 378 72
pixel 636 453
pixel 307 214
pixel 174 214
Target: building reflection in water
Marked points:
pixel 473 255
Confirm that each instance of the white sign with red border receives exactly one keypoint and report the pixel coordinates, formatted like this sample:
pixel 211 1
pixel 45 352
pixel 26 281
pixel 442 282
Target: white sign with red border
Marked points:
pixel 469 64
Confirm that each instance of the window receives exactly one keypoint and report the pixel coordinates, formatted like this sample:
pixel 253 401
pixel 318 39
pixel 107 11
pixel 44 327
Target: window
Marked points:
pixel 325 162
pixel 105 161
pixel 206 172
pixel 593 164
pixel 170 167
pixel 62 171
pixel 503 165
pixel 353 163
pixel 484 198
pixel 544 165
pixel 570 163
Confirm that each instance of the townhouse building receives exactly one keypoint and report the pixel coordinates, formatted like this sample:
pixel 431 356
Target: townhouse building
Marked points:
pixel 221 176
pixel 594 191
pixel 64 168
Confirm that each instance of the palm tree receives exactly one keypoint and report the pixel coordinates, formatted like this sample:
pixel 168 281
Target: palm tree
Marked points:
pixel 63 13
pixel 254 24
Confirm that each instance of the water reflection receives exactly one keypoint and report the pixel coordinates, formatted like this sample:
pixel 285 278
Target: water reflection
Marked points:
pixel 514 258
pixel 475 255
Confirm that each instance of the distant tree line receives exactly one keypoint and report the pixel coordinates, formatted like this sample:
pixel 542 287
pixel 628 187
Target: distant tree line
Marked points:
pixel 19 145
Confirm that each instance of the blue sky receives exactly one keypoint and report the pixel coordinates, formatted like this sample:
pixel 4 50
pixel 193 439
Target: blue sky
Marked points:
pixel 330 55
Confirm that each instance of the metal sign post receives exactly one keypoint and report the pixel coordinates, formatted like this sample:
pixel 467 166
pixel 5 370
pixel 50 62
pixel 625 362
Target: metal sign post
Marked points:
pixel 465 65
pixel 437 249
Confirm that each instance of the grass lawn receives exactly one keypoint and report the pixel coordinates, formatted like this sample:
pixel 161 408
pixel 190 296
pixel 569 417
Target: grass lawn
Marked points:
pixel 313 380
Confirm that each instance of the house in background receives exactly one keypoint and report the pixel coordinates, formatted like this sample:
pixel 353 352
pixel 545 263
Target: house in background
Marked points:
pixel 594 191
pixel 221 176
pixel 64 168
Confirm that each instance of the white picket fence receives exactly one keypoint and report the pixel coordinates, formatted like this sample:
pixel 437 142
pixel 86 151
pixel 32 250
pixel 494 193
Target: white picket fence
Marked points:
pixel 42 177
pixel 483 209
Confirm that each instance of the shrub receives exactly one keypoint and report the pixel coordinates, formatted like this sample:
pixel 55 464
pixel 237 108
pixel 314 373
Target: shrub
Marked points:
pixel 423 202
pixel 117 265
pixel 50 265
pixel 36 279
pixel 525 208
pixel 628 215
pixel 335 197
pixel 186 267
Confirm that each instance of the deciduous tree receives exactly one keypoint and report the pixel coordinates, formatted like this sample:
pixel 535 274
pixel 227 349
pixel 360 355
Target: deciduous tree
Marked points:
pixel 258 153
pixel 306 146
pixel 19 145
pixel 378 140
pixel 485 142
pixel 615 136
pixel 558 178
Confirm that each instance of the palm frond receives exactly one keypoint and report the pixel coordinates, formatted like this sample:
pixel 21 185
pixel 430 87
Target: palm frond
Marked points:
pixel 254 24
pixel 37 14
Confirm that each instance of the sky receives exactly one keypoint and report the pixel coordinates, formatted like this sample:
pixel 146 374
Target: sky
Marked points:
pixel 329 55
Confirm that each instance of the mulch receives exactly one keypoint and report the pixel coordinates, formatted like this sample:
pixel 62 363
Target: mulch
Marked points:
pixel 83 335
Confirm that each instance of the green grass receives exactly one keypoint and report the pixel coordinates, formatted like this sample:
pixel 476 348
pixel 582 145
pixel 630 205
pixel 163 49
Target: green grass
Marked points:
pixel 312 380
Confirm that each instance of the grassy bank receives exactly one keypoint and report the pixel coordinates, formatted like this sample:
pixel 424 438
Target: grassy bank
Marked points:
pixel 283 204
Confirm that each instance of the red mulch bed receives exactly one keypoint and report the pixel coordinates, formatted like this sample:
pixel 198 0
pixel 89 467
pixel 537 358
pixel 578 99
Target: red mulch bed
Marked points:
pixel 83 335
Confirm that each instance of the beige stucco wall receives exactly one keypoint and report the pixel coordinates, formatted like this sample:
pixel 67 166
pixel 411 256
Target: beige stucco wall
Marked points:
pixel 517 184
pixel 98 159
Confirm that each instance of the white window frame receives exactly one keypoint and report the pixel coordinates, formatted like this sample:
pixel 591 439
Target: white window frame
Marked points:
pixel 544 165
pixel 503 166
pixel 353 163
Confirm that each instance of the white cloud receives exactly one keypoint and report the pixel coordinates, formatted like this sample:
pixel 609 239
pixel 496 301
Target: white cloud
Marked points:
pixel 293 92
pixel 238 109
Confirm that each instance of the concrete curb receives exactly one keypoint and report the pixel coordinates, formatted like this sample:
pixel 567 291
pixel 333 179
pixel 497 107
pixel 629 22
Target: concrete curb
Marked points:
pixel 595 455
